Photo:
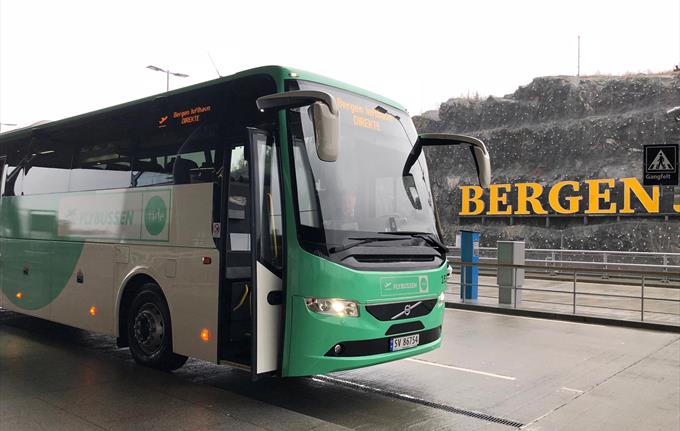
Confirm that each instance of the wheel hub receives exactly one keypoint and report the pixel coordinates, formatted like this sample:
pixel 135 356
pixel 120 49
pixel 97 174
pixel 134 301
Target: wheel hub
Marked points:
pixel 149 328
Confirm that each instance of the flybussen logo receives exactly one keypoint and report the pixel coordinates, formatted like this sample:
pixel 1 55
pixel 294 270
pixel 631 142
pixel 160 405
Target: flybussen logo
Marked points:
pixel 409 285
pixel 140 215
pixel 565 197
pixel 155 215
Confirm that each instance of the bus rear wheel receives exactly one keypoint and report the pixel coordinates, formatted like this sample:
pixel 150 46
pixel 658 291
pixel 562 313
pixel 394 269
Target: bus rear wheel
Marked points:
pixel 149 330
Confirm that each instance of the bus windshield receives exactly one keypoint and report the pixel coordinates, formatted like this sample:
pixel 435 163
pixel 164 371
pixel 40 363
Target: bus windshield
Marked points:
pixel 362 193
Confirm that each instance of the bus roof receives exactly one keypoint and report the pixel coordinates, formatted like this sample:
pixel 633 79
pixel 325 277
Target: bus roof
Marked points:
pixel 278 73
pixel 309 76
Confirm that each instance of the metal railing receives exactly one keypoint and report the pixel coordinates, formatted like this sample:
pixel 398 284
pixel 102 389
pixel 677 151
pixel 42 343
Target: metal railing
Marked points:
pixel 655 297
pixel 550 260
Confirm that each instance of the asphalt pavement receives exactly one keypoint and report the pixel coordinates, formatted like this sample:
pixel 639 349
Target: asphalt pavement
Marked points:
pixel 493 372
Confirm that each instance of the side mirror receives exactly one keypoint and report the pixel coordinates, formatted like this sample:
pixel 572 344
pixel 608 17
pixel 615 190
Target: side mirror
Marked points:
pixel 412 191
pixel 325 115
pixel 477 147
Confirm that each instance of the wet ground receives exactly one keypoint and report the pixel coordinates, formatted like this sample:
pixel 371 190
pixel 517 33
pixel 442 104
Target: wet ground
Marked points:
pixel 493 372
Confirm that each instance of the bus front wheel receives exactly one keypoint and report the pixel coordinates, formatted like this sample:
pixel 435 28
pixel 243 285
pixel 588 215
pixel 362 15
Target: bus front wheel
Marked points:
pixel 149 330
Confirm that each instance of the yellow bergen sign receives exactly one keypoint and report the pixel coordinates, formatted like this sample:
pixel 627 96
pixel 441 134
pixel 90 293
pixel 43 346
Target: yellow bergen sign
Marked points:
pixel 564 197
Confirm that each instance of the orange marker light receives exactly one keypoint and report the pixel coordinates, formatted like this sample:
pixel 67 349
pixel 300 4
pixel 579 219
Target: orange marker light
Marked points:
pixel 93 310
pixel 20 295
pixel 205 334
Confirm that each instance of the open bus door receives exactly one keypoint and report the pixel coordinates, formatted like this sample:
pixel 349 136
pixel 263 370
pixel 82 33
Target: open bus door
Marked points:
pixel 251 301
pixel 3 163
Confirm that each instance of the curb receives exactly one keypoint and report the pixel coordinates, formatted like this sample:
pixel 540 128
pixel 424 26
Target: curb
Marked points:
pixel 580 318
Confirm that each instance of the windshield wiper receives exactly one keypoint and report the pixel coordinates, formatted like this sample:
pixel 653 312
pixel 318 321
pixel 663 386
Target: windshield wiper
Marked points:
pixel 362 240
pixel 425 236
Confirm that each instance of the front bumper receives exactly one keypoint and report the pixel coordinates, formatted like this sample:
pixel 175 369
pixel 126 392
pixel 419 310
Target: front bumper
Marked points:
pixel 365 339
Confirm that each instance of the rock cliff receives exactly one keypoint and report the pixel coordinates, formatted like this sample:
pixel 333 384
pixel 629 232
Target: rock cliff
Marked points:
pixel 555 129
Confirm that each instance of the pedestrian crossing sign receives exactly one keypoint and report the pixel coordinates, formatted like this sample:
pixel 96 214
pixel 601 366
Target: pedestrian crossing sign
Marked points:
pixel 661 165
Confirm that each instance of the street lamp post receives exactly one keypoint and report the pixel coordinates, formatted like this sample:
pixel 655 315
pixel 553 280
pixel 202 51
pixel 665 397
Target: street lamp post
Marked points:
pixel 167 75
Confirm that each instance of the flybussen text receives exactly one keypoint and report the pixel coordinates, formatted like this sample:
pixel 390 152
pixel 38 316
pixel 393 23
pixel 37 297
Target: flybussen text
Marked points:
pixel 564 197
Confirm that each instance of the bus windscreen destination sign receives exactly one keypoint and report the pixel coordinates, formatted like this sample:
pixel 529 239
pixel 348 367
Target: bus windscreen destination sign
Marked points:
pixel 184 117
pixel 661 165
pixel 367 117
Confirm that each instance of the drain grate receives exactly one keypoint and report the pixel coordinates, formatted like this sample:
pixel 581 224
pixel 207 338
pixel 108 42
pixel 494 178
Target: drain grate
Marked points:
pixel 420 401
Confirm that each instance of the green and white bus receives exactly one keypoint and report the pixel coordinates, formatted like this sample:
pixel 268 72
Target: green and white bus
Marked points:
pixel 274 220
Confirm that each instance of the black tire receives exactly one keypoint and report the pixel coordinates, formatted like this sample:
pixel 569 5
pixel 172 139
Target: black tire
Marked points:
pixel 150 332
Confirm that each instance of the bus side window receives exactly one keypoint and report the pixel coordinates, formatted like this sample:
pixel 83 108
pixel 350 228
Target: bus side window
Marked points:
pixel 306 194
pixel 270 201
pixel 44 167
pixel 150 171
pixel 42 180
pixel 183 155
pixel 92 178
pixel 101 166
pixel 13 183
pixel 49 171
pixel 237 201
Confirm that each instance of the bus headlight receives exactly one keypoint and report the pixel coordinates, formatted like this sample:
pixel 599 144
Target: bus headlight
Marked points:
pixel 441 298
pixel 333 306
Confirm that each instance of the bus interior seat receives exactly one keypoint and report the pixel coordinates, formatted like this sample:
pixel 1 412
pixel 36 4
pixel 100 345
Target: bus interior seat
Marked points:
pixel 111 167
pixel 145 166
pixel 181 169
pixel 206 173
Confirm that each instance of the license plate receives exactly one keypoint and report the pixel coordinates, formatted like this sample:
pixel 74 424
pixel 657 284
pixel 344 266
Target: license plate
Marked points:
pixel 401 343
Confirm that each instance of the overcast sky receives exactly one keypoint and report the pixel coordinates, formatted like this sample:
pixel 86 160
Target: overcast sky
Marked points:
pixel 62 58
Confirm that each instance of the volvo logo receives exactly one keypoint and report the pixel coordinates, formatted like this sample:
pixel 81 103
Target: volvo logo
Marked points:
pixel 407 310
